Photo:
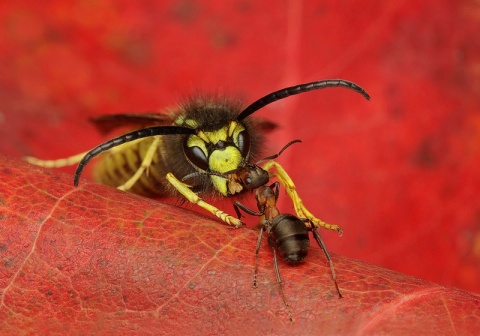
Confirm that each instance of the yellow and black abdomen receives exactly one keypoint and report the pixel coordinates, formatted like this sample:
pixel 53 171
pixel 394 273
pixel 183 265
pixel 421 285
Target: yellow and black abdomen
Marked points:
pixel 117 166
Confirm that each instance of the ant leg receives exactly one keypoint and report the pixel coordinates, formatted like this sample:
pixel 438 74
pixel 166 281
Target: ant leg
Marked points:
pixel 300 209
pixel 324 248
pixel 279 279
pixel 255 271
pixel 237 209
pixel 237 206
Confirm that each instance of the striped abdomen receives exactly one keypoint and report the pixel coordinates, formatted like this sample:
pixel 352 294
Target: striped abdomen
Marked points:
pixel 290 236
pixel 118 165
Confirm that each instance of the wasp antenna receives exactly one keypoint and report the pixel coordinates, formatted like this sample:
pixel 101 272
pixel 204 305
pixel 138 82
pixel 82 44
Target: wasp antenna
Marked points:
pixel 142 133
pixel 293 90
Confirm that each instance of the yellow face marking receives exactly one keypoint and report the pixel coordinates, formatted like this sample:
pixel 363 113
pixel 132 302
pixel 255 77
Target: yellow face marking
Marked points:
pixel 220 184
pixel 203 136
pixel 232 127
pixel 223 161
pixel 216 136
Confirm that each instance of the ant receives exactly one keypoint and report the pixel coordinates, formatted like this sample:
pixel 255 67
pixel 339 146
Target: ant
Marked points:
pixel 286 233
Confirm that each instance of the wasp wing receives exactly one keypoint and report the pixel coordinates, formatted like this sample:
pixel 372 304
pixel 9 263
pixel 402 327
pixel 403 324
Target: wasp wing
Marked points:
pixel 263 125
pixel 107 123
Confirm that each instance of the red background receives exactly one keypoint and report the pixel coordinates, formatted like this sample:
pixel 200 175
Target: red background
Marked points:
pixel 397 173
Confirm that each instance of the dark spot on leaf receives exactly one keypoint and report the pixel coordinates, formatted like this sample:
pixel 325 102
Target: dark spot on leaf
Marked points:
pixel 427 154
pixel 8 262
pixel 49 293
pixel 184 11
pixel 3 247
pixel 7 171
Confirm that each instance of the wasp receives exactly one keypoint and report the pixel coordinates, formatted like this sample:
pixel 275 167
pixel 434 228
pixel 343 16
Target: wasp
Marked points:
pixel 207 135
pixel 286 233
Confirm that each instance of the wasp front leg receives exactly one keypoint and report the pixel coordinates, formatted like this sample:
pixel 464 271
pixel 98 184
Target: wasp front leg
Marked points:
pixel 194 198
pixel 298 205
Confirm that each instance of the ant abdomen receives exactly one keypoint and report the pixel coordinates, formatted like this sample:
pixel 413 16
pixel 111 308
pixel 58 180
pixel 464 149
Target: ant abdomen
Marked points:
pixel 290 236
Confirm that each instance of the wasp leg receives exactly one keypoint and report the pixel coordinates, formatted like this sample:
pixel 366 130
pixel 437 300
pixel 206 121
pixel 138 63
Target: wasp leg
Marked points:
pixel 69 161
pixel 300 209
pixel 146 163
pixel 320 242
pixel 55 163
pixel 193 198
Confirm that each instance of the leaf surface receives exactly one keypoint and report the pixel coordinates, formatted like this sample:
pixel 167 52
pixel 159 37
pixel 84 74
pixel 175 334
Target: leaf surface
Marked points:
pixel 96 260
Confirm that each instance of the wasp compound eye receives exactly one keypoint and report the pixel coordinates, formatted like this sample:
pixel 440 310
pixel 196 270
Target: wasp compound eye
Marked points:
pixel 243 143
pixel 197 157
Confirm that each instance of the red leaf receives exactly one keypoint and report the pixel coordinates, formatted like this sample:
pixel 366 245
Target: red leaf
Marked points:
pixel 399 173
pixel 94 259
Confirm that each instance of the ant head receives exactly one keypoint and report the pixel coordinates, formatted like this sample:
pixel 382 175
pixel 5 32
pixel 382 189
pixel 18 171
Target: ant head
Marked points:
pixel 253 177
